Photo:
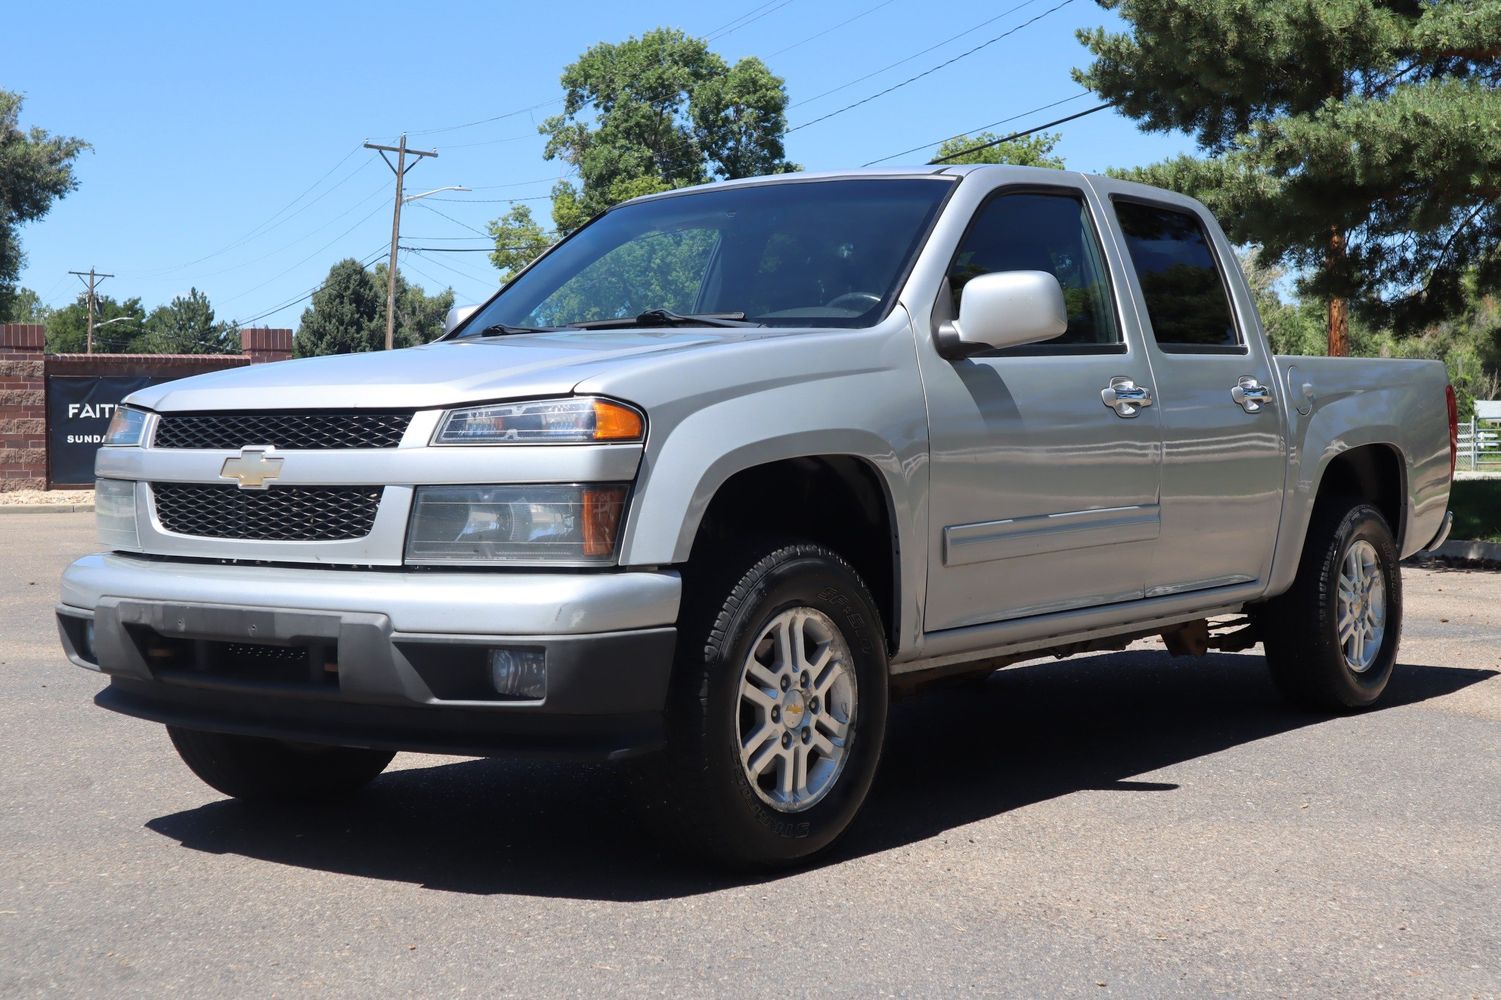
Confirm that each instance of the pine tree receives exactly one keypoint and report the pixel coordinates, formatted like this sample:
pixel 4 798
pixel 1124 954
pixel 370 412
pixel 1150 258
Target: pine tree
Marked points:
pixel 348 313
pixel 1357 142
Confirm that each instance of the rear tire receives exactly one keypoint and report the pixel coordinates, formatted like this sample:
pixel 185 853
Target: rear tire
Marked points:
pixel 778 707
pixel 262 770
pixel 1331 641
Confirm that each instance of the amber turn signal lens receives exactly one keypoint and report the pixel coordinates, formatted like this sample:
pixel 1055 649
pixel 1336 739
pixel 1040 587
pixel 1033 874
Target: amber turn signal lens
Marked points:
pixel 613 422
pixel 603 506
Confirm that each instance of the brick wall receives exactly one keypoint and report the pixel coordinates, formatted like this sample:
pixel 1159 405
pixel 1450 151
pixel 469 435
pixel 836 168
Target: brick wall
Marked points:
pixel 24 367
pixel 261 344
pixel 23 447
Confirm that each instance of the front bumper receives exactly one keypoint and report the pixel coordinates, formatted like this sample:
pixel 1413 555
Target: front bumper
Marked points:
pixel 397 660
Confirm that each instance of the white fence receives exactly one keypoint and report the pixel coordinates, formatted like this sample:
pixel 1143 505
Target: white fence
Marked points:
pixel 1480 444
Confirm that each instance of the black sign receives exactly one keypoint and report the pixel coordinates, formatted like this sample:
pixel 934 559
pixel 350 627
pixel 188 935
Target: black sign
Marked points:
pixel 79 409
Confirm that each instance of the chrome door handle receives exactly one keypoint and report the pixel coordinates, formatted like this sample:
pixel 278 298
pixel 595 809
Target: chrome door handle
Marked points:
pixel 1250 395
pixel 1125 397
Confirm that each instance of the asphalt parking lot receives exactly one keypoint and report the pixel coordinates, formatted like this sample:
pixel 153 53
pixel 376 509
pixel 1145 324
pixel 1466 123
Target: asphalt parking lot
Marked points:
pixel 1122 825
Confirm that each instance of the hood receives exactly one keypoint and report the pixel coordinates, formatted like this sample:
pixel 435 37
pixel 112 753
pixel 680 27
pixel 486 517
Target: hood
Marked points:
pixel 440 374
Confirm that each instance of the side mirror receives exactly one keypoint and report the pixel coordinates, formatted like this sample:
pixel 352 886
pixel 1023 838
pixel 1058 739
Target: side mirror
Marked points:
pixel 455 316
pixel 1005 309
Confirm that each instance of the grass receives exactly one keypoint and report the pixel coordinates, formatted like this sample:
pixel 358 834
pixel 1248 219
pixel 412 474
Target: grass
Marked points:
pixel 1477 510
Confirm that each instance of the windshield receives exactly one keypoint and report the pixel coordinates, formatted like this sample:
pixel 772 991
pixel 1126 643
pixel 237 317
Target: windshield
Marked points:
pixel 805 253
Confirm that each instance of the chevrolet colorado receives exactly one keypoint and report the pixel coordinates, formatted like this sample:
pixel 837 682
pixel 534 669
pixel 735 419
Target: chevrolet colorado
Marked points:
pixel 713 475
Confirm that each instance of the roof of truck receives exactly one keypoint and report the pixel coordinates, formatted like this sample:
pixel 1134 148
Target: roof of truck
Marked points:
pixel 926 170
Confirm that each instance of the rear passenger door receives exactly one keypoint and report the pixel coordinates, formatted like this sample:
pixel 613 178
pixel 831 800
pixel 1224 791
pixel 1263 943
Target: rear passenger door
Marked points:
pixel 1224 459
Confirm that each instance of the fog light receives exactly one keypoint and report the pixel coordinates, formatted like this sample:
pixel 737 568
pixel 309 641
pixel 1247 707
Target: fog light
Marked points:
pixel 87 652
pixel 519 673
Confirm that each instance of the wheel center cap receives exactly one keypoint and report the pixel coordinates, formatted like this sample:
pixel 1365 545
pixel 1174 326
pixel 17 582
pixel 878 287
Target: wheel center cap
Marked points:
pixel 793 708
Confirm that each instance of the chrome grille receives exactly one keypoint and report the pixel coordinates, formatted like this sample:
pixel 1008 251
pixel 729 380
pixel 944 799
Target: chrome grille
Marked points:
pixel 310 430
pixel 278 514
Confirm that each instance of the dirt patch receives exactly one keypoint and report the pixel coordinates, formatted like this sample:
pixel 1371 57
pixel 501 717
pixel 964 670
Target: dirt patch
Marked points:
pixel 49 497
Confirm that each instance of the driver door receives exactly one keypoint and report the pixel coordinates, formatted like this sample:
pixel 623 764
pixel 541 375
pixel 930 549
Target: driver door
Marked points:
pixel 1043 497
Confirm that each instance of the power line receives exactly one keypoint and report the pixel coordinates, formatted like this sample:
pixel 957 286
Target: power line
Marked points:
pixel 51 293
pixel 515 184
pixel 273 222
pixel 486 121
pixel 309 257
pixel 982 128
pixel 369 259
pixel 735 22
pixel 920 52
pixel 1018 135
pixel 158 340
pixel 448 285
pixel 453 220
pixel 774 7
pixel 491 142
pixel 361 203
pixel 836 27
pixel 931 70
pixel 493 201
pixel 455 270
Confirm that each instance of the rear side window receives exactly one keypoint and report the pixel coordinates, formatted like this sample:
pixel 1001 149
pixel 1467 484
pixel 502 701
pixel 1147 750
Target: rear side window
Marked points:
pixel 1180 280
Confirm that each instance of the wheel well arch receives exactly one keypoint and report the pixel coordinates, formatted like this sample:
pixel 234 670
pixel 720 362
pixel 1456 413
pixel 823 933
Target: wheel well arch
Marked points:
pixel 840 501
pixel 1373 473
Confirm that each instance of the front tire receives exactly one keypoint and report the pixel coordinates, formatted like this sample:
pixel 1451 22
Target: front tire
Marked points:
pixel 778 711
pixel 1331 641
pixel 262 770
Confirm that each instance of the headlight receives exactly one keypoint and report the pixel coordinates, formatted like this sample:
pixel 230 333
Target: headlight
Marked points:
pixel 478 525
pixel 126 428
pixel 578 420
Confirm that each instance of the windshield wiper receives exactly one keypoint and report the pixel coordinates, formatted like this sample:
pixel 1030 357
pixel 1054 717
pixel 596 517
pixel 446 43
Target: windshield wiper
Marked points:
pixel 666 317
pixel 506 329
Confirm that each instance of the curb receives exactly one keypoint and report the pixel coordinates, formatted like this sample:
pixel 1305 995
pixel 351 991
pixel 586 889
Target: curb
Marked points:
pixel 45 508
pixel 1468 551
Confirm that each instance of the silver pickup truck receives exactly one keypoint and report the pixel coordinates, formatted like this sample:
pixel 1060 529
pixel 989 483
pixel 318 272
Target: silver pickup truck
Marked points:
pixel 716 474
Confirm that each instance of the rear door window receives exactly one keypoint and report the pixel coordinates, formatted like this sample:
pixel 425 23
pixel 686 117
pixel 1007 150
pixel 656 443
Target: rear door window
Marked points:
pixel 1185 294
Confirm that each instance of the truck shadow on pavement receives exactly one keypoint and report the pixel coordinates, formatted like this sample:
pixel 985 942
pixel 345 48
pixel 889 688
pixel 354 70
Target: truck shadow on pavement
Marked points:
pixel 954 756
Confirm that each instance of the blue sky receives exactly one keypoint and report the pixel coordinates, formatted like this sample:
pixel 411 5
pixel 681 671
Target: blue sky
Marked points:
pixel 208 121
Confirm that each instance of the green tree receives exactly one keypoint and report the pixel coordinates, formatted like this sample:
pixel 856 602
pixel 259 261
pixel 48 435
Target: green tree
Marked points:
pixel 1028 151
pixel 36 169
pixel 419 316
pixel 1469 344
pixel 26 306
pixel 519 240
pixel 663 112
pixel 1291 327
pixel 1357 142
pixel 186 325
pixel 348 313
pixel 67 328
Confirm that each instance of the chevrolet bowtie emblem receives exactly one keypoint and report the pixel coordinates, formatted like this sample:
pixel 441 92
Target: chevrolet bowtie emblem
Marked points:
pixel 254 467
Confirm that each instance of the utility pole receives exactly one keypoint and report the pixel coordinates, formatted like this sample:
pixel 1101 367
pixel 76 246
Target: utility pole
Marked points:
pixel 94 278
pixel 399 168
